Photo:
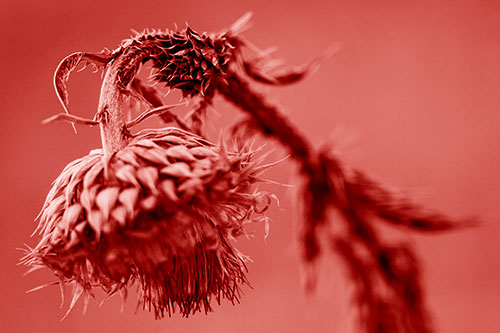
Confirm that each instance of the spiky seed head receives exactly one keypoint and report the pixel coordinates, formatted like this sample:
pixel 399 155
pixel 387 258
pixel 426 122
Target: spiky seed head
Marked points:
pixel 161 212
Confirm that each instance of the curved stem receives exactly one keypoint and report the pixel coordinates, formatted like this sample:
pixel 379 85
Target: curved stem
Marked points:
pixel 114 133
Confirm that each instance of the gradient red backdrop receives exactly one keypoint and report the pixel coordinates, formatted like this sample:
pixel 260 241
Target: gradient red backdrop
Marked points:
pixel 415 83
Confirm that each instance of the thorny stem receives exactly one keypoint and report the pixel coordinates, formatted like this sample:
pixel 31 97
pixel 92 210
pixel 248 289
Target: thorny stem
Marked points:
pixel 273 124
pixel 268 117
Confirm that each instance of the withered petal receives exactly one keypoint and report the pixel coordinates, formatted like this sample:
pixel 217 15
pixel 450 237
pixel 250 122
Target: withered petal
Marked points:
pixel 177 170
pixel 148 177
pixel 127 156
pixel 119 214
pixel 87 197
pixel 168 188
pixel 190 187
pixel 106 200
pixel 149 203
pixel 56 206
pixel 95 221
pixel 127 174
pixel 181 153
pixel 128 198
pixel 202 152
pixel 153 155
pixel 91 175
pixel 70 217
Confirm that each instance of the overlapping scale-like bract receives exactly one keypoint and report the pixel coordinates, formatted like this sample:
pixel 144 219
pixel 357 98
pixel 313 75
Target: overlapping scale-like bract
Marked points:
pixel 161 212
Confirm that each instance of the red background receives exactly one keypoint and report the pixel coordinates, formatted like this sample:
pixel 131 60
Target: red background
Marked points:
pixel 416 85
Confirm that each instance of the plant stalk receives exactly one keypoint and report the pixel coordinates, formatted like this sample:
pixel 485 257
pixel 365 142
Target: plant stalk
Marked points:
pixel 112 122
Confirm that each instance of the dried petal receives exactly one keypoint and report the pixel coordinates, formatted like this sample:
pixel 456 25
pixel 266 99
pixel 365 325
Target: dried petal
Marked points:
pixel 92 174
pixel 70 217
pixel 128 199
pixel 77 177
pixel 181 153
pixel 202 152
pixel 155 156
pixel 119 214
pixel 73 240
pixel 127 175
pixel 77 293
pixel 55 206
pixel 204 165
pixel 56 235
pixel 148 177
pixel 190 187
pixel 175 140
pixel 262 202
pixel 95 220
pixel 128 157
pixel 80 227
pixel 106 200
pixel 146 144
pixel 169 189
pixel 109 227
pixel 177 170
pixel 149 203
pixel 87 197
pixel 50 224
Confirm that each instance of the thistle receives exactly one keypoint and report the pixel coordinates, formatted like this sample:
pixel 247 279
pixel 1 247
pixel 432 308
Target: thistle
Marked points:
pixel 161 211
pixel 160 207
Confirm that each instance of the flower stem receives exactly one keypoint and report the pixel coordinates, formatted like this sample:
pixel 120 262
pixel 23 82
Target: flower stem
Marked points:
pixel 269 119
pixel 114 133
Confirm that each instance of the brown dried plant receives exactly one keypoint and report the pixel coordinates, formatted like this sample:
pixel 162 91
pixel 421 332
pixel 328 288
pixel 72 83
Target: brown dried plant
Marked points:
pixel 160 206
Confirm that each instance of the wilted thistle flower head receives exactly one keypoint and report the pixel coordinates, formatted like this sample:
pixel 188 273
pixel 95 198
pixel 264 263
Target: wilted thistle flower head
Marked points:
pixel 160 212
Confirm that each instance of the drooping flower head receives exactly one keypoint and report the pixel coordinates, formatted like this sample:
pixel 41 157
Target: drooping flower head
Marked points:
pixel 160 212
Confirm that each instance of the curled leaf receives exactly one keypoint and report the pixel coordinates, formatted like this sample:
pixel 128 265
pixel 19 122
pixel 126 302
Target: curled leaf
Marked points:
pixel 69 64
